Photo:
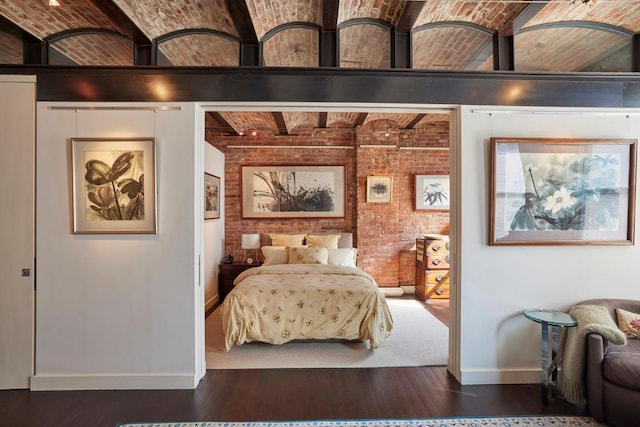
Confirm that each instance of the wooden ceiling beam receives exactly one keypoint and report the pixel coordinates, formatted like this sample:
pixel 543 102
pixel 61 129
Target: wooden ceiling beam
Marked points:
pixel 249 45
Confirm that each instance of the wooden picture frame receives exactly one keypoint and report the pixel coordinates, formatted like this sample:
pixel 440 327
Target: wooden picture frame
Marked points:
pixel 293 191
pixel 113 185
pixel 379 189
pixel 211 196
pixel 433 193
pixel 562 191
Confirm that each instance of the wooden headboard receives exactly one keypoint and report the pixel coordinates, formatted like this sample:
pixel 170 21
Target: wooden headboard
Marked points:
pixel 345 241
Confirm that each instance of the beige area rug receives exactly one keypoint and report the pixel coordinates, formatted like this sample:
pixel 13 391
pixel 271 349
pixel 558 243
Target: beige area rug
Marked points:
pixel 417 339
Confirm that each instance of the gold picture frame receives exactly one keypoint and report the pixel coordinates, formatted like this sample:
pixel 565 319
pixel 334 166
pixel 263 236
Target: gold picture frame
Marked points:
pixel 113 185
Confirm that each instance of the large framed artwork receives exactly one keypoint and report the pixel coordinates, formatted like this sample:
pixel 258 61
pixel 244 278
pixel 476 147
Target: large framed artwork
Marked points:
pixel 113 185
pixel 292 191
pixel 379 189
pixel 432 192
pixel 211 196
pixel 562 191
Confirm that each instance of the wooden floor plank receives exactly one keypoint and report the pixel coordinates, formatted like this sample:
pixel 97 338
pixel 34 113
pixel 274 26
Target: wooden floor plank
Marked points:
pixel 282 394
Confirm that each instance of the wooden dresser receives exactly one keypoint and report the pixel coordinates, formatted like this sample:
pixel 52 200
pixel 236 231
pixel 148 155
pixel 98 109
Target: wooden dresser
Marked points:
pixel 432 267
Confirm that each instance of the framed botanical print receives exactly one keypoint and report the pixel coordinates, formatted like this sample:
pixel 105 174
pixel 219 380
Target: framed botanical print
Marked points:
pixel 562 191
pixel 114 185
pixel 432 192
pixel 293 191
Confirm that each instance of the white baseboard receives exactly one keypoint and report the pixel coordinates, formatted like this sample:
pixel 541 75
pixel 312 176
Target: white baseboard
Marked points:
pixel 50 382
pixel 211 302
pixel 500 376
pixel 408 289
pixel 392 292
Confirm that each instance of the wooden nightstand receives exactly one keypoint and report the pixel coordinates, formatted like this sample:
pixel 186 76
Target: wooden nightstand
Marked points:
pixel 228 273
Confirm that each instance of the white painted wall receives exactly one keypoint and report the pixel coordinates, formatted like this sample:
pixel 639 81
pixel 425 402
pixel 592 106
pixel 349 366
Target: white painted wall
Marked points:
pixel 118 311
pixel 498 345
pixel 213 229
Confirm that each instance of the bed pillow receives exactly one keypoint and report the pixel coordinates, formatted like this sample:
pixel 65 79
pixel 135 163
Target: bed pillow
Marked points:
pixel 308 255
pixel 344 257
pixel 629 323
pixel 274 255
pixel 286 239
pixel 329 241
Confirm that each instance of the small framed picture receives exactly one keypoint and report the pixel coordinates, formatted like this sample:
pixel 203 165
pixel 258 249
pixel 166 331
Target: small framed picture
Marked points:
pixel 379 189
pixel 211 196
pixel 432 193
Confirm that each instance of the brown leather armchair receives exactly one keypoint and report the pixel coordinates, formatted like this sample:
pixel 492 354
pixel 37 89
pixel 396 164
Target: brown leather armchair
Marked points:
pixel 612 372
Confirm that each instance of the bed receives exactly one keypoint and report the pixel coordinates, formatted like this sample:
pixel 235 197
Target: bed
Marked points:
pixel 304 292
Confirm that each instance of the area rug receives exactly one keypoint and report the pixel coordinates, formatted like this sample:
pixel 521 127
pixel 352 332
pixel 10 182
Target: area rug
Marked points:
pixel 417 339
pixel 525 421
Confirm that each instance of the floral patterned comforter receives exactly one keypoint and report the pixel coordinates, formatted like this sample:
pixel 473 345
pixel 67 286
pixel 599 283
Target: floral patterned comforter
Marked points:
pixel 280 303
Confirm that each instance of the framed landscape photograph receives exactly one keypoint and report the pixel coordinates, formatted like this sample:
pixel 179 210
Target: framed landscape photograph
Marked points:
pixel 114 185
pixel 291 191
pixel 211 196
pixel 432 192
pixel 379 189
pixel 562 191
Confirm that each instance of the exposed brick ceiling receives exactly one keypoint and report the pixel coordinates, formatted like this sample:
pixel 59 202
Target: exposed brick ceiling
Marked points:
pixel 554 36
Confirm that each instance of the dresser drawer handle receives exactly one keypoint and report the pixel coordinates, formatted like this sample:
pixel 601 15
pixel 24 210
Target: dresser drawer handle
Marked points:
pixel 436 248
pixel 436 261
pixel 439 278
pixel 439 291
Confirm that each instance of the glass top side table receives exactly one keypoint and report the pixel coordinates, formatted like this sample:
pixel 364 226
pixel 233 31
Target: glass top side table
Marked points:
pixel 550 321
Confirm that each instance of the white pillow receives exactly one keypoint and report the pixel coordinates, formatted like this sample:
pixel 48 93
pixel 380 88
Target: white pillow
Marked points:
pixel 344 257
pixel 287 239
pixel 308 255
pixel 329 241
pixel 274 255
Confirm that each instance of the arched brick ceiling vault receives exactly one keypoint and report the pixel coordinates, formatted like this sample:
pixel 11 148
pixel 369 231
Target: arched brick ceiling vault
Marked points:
pixel 559 35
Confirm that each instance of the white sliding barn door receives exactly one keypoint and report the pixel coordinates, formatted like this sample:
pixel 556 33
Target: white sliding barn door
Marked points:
pixel 17 223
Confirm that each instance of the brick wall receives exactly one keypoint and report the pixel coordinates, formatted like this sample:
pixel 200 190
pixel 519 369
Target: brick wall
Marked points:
pixel 384 233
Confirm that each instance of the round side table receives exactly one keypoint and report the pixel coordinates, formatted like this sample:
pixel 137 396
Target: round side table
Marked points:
pixel 550 321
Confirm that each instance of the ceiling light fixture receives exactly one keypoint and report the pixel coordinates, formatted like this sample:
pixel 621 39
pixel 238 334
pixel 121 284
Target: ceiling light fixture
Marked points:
pixel 54 3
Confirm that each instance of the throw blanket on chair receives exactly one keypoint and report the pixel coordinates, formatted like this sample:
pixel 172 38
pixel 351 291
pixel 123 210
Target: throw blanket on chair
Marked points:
pixel 590 318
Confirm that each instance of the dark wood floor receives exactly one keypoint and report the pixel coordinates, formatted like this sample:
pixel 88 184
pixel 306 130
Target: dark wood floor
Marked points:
pixel 276 394
pixel 284 394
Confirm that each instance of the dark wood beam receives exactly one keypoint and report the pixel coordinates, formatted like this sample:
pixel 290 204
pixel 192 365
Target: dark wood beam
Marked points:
pixel 122 21
pixel 503 53
pixel 249 51
pixel 415 121
pixel 283 84
pixel 328 38
pixel 225 126
pixel 635 54
pixel 409 16
pixel 503 41
pixel 322 120
pixel 523 18
pixel 361 118
pixel 280 123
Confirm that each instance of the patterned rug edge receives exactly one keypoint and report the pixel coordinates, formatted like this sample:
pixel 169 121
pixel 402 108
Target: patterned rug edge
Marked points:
pixel 517 421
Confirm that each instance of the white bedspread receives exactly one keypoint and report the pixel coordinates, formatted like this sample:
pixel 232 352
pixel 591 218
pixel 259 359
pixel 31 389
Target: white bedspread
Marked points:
pixel 280 303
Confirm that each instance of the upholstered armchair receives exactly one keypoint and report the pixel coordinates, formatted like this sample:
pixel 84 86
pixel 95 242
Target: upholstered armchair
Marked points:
pixel 612 372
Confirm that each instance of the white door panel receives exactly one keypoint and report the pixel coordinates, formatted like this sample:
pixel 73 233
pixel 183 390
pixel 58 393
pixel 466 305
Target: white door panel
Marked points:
pixel 17 213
